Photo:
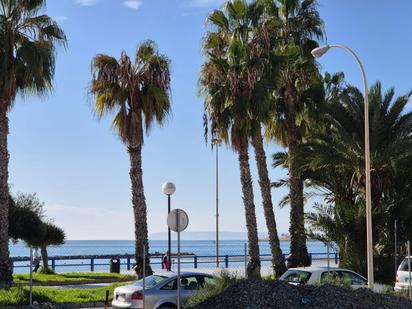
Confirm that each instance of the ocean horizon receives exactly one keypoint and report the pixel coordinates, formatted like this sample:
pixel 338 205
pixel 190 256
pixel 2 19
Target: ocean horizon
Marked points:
pixel 198 247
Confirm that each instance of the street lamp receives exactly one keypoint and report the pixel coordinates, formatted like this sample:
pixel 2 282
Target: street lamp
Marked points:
pixel 317 53
pixel 216 142
pixel 168 188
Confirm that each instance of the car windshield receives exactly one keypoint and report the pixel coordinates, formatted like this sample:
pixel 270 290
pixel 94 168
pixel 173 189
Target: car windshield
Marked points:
pixel 404 265
pixel 150 281
pixel 297 276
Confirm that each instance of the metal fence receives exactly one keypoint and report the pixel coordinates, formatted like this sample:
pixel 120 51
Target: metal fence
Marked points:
pixel 101 263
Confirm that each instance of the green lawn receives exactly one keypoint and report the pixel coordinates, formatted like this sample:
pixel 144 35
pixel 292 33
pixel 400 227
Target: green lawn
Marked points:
pixel 72 278
pixel 20 295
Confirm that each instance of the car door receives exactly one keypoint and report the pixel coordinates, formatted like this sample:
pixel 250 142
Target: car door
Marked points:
pixel 189 285
pixel 166 293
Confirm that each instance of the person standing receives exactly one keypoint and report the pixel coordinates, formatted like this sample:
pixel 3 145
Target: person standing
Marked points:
pixel 165 262
pixel 36 259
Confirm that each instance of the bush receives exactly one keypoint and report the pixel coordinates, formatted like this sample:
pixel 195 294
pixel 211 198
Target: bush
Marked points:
pixel 221 282
pixel 270 278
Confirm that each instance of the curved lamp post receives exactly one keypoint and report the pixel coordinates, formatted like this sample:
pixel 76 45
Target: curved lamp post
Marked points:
pixel 317 53
pixel 168 188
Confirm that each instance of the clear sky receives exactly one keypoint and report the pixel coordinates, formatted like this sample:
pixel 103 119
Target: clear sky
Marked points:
pixel 79 168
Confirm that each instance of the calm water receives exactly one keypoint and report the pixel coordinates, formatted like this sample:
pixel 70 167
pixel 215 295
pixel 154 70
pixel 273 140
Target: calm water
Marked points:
pixel 199 247
pixel 115 247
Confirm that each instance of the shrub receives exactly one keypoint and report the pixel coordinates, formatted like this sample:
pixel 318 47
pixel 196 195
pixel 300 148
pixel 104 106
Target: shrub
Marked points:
pixel 221 282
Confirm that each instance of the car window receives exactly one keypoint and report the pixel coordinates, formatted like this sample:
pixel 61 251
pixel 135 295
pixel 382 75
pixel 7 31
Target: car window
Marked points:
pixel 205 280
pixel 404 265
pixel 209 280
pixel 352 278
pixel 189 283
pixel 171 285
pixel 297 276
pixel 150 281
pixel 186 283
pixel 329 276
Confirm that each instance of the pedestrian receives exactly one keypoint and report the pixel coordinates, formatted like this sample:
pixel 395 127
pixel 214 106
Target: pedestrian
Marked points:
pixel 36 259
pixel 165 262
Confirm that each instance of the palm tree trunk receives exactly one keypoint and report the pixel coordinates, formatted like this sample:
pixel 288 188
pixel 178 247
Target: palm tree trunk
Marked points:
pixel 278 261
pixel 298 251
pixel 139 209
pixel 44 258
pixel 5 270
pixel 253 267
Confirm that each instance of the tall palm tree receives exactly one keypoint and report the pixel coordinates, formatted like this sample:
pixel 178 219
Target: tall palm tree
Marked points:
pixel 236 83
pixel 299 89
pixel 138 93
pixel 227 78
pixel 27 60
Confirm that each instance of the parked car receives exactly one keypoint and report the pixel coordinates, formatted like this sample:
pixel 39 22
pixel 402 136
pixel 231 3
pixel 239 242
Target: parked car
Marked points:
pixel 160 290
pixel 317 275
pixel 402 276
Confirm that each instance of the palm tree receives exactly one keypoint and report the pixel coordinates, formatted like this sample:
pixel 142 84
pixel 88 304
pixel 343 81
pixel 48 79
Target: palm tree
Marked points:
pixel 27 61
pixel 299 89
pixel 237 80
pixel 227 80
pixel 333 159
pixel 138 93
pixel 262 104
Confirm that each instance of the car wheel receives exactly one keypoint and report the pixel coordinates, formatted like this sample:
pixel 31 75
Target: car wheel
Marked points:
pixel 167 306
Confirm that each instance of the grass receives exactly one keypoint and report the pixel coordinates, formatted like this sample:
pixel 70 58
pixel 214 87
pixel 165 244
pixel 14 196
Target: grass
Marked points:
pixel 20 295
pixel 71 278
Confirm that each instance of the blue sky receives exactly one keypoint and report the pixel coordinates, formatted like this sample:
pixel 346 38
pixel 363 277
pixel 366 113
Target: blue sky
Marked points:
pixel 77 165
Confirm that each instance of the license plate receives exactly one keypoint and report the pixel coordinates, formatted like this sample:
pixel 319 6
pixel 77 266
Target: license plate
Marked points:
pixel 121 298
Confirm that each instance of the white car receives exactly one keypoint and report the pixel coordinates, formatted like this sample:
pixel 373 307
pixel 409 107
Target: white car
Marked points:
pixel 316 275
pixel 160 290
pixel 402 275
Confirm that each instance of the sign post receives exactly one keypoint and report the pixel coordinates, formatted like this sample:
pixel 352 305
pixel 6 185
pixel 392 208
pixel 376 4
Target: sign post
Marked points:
pixel 31 277
pixel 178 221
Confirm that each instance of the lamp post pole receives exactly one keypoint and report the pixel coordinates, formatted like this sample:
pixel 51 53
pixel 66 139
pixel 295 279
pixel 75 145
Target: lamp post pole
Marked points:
pixel 169 241
pixel 168 189
pixel 318 52
pixel 217 144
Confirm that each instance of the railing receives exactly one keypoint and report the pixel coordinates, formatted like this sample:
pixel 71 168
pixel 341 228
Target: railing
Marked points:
pixel 197 261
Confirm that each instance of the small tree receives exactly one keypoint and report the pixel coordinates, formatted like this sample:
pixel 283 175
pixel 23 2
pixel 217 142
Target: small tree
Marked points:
pixel 51 235
pixel 33 227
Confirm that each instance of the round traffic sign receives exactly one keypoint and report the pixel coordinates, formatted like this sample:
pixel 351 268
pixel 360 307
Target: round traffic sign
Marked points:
pixel 177 220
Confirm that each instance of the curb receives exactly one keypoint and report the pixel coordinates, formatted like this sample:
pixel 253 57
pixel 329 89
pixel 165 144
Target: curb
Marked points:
pixel 63 283
pixel 58 306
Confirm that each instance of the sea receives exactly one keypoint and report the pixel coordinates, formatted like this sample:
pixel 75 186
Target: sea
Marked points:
pixel 120 247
